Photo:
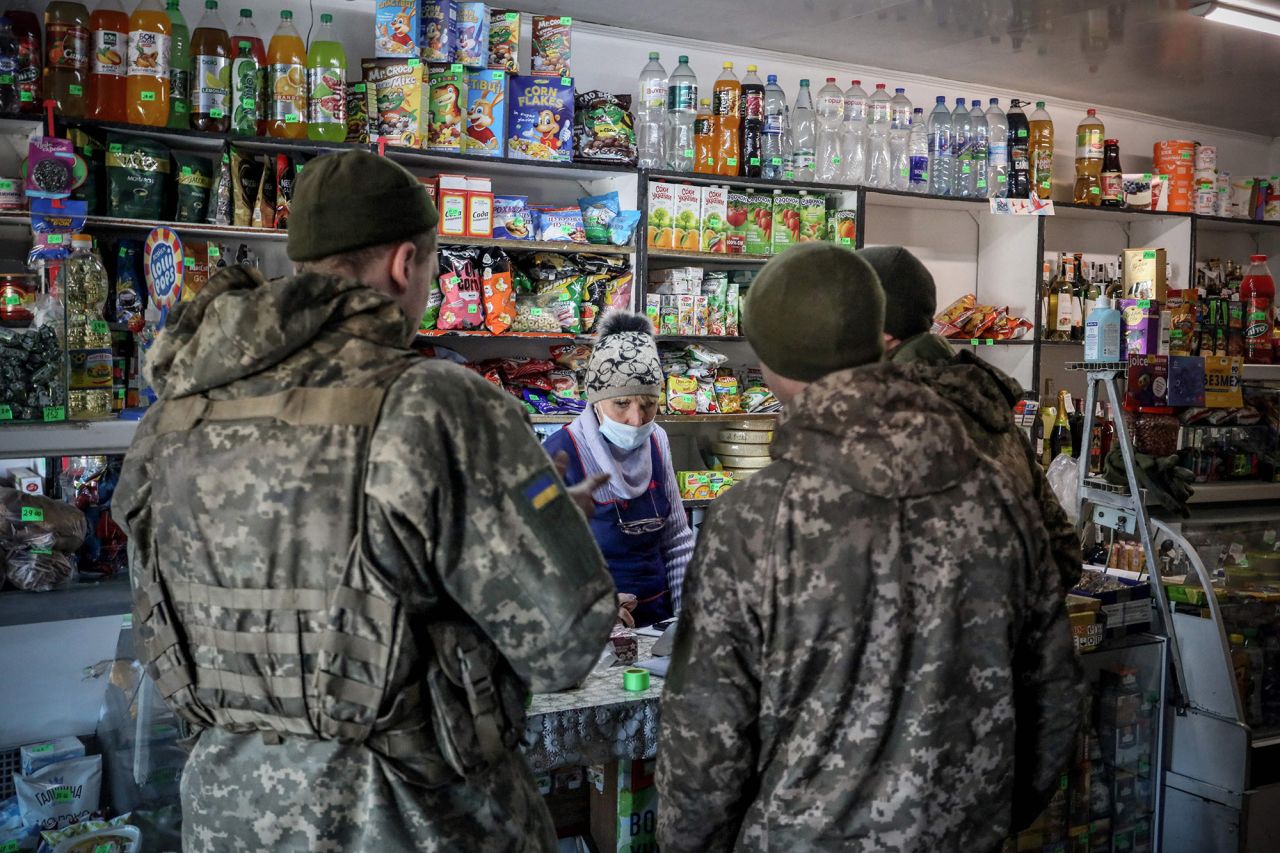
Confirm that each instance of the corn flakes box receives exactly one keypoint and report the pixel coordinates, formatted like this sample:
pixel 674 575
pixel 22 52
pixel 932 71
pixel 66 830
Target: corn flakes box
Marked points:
pixel 504 40
pixel 439 37
pixel 396 28
pixel 540 118
pixel 486 133
pixel 397 92
pixel 447 106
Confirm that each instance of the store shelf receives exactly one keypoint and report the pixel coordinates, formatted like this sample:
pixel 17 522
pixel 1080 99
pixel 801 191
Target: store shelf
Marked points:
pixel 1070 210
pixel 188 229
pixel 66 439
pixel 700 504
pixel 84 600
pixel 746 183
pixel 1229 223
pixel 717 258
pixel 505 167
pixel 1261 372
pixel 1243 491
pixel 1265 739
pixel 989 342
pixel 538 245
pixel 698 339
pixel 924 201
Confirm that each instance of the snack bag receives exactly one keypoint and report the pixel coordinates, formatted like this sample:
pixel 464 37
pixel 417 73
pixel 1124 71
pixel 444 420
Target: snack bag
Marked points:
pixel 246 172
pixel 447 105
pixel 552 38
pixel 532 317
pixel 396 28
pixel 561 224
pixel 512 218
pixel 264 211
pixel 220 209
pixel 473 35
pixel 540 118
pixel 499 296
pixel 597 212
pixel 439 30
pixel 50 164
pixel 195 178
pixel 462 307
pixel 604 130
pixel 504 40
pixel 285 175
pixel 728 395
pixel 435 298
pixel 60 794
pixel 137 171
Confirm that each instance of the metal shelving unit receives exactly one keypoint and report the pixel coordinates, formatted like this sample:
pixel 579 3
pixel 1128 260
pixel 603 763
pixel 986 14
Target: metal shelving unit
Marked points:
pixel 67 438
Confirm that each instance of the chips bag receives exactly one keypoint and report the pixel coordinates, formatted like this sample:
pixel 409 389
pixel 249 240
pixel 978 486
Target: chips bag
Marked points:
pixel 604 130
pixel 499 296
pixel 463 307
pixel 264 212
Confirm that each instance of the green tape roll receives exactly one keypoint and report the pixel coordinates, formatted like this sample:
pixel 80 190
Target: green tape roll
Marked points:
pixel 635 680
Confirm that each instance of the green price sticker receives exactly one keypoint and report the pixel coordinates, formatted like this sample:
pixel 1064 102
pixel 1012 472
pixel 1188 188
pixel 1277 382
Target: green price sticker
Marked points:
pixel 291 118
pixel 42 551
pixel 1149 255
pixel 54 239
pixel 360 88
pixel 414 63
pixel 1022 134
pixel 213 113
pixel 32 513
pixel 188 262
pixel 966 169
pixel 835 161
pixel 535 312
pixel 148 96
pixel 973 342
pixel 248 103
pixel 55 413
pixel 846 241
pixel 1144 304
pixel 456 68
pixel 1146 176
pixel 688 152
pixel 63 795
pixel 990 342
pixel 6 79
pixel 104 848
pixel 1186 155
pixel 79 90
pixel 214 252
pixel 789 175
pixel 115 148
pixel 12 300
pixel 6 412
pixel 512 16
pixel 1000 179
pixel 566 21
pixel 99 327
pixel 471 309
pixel 755 161
pixel 186 170
pixel 10 846
pixel 566 81
pixel 775 161
pixel 732 161
pixel 27 97
pixel 1095 191
pixel 44 747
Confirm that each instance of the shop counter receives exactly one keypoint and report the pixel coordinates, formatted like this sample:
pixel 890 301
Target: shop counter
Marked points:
pixel 596 723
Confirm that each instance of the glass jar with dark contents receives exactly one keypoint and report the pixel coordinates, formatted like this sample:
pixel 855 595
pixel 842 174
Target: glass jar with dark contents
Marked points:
pixel 17 299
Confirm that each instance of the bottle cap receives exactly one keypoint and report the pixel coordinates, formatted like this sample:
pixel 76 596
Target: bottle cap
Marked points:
pixel 728 65
pixel 1111 142
pixel 831 79
pixel 977 103
pixel 326 18
pixel 1257 259
pixel 772 78
pixel 918 110
pixel 942 99
pixel 879 86
pixel 246 13
pixel 1091 112
pixel 804 84
pixel 900 91
pixel 856 82
pixel 1237 639
pixel 1039 105
pixel 653 56
pixel 684 59
pixel 995 102
pixel 211 4
pixel 752 69
pixel 286 15
pixel 81 241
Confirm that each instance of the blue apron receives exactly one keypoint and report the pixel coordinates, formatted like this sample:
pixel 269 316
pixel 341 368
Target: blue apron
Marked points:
pixel 636 561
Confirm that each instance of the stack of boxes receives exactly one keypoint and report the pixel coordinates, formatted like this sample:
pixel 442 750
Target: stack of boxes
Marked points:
pixel 692 302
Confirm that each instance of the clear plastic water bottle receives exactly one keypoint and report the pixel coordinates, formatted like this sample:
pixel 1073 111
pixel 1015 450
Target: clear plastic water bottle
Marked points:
pixel 981 147
pixel 879 161
pixel 804 135
pixel 651 114
pixel 775 160
pixel 997 151
pixel 899 134
pixel 855 134
pixel 962 150
pixel 830 112
pixel 918 153
pixel 682 110
pixel 941 161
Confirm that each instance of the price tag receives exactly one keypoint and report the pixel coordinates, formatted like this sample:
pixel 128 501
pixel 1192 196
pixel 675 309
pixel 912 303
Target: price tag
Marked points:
pixel 566 21
pixel 973 342
pixel 990 342
pixel 27 97
pixel 213 113
pixel 731 161
pixel 360 88
pixel 148 96
pixel 10 846
pixel 512 16
pixel 755 161
pixel 1146 176
pixel 32 513
pixel 214 252
pixel 775 161
pixel 1149 255
pixel 789 175
pixel 248 103
pixel 1186 155
pixel 835 161
pixel 1000 179
pixel 966 169
pixel 6 79
pixel 42 551
pixel 846 241
pixel 104 848
pixel 188 262
pixel 291 118
pixel 414 63
pixel 471 309
pixel 99 327
pixel 186 170
pixel 12 299
pixel 6 412
pixel 44 747
pixel 79 90
pixel 63 795
pixel 55 413
pixel 535 312
pixel 54 240
pixel 688 152
pixel 1022 134
pixel 456 68
pixel 566 81
pixel 1095 191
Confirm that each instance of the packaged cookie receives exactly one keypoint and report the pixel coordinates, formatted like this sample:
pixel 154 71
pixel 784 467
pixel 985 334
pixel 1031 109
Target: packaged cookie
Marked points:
pixel 504 40
pixel 552 38
pixel 540 118
pixel 604 130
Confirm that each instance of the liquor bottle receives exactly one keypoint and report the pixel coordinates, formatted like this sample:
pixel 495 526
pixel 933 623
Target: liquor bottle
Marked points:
pixel 1044 425
pixel 1075 421
pixel 1047 318
pixel 1060 436
pixel 1077 300
pixel 1062 301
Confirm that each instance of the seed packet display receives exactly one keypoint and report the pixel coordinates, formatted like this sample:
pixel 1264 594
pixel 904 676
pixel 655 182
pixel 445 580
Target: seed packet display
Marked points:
pixel 486 133
pixel 504 40
pixel 473 35
pixel 397 91
pixel 396 27
pixel 552 38
pixel 540 118
pixel 447 108
pixel 439 30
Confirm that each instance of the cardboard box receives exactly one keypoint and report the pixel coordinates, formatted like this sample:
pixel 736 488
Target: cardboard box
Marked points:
pixel 786 221
pixel 540 118
pixel 479 214
pixel 1144 274
pixel 714 220
pixel 624 806
pixel 486 131
pixel 662 216
pixel 688 217
pixel 439 30
pixel 813 218
pixel 396 28
pixel 27 481
pixel 1148 382
pixel 398 97
pixel 1141 326
pixel 552 45
pixel 453 212
pixel 504 40
pixel 759 229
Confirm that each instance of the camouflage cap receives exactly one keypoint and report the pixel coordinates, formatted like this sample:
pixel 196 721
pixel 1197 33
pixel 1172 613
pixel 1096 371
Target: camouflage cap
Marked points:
pixel 353 200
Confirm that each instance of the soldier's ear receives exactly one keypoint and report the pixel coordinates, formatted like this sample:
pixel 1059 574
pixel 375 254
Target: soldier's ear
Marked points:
pixel 401 267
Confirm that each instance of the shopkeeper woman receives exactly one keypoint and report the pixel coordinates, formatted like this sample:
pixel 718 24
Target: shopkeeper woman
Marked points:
pixel 639 521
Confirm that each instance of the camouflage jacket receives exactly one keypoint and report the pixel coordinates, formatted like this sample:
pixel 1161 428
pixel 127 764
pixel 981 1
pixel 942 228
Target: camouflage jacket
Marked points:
pixel 985 396
pixel 448 532
pixel 874 652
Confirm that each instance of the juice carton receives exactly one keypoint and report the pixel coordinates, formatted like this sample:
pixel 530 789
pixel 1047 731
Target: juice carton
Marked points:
pixel 786 220
pixel 447 106
pixel 653 309
pixel 552 37
pixel 396 28
pixel 540 118
pixel 439 30
pixel 662 215
pixel 684 315
pixel 739 213
pixel 486 133
pixel 813 218
pixel 844 228
pixel 473 35
pixel 759 226
pixel 688 217
pixel 504 40
pixel 397 93
pixel 715 220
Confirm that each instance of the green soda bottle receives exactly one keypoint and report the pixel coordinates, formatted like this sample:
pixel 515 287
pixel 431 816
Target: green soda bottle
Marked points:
pixel 246 88
pixel 327 86
pixel 179 69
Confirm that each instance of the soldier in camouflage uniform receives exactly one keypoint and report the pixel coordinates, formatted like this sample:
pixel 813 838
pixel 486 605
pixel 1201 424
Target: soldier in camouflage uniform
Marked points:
pixel 983 393
pixel 350 564
pixel 874 653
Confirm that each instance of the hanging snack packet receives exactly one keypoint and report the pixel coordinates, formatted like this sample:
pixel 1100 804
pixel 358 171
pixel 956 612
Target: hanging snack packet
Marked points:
pixel 597 212
pixel 284 190
pixel 603 128
pixel 499 297
pixel 219 212
pixel 246 175
pixel 195 179
pixel 264 211
pixel 136 170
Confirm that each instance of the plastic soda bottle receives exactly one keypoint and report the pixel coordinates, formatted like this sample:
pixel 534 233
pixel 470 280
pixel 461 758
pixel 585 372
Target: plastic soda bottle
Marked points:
pixel 8 68
pixel 246 94
pixel 682 111
pixel 26 29
pixel 997 151
pixel 804 136
pixel 940 153
pixel 1041 127
pixel 752 123
pixel 962 150
pixel 1258 292
pixel 211 47
pixel 246 31
pixel 854 144
pixel 66 62
pixel 287 78
pixel 899 138
pixel 918 153
pixel 148 87
pixel 726 104
pixel 1090 150
pixel 981 148
pixel 107 84
pixel 879 159
pixel 651 114
pixel 179 69
pixel 326 86
pixel 1019 151
pixel 704 139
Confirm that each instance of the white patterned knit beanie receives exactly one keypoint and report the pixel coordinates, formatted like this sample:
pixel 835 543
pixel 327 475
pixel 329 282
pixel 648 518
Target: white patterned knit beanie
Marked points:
pixel 624 362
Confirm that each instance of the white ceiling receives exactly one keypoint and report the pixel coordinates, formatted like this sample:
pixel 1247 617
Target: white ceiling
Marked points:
pixel 1146 55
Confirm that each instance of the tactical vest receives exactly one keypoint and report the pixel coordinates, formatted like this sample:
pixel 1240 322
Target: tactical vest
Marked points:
pixel 314 657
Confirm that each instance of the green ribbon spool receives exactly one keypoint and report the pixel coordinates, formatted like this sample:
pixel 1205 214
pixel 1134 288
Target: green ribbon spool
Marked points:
pixel 635 680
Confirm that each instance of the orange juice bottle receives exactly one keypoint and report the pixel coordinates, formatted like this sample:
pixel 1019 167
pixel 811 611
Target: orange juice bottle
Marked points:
pixel 287 82
pixel 704 139
pixel 107 84
pixel 148 86
pixel 726 103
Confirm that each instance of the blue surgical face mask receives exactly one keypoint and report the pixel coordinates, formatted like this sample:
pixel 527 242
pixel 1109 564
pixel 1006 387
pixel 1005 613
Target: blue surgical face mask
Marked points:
pixel 624 436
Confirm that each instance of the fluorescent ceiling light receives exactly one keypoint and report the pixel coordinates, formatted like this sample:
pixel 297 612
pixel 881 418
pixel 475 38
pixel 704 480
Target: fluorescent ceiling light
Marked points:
pixel 1249 14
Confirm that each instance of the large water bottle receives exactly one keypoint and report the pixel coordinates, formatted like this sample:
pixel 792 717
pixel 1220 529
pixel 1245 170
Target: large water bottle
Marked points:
pixel 804 135
pixel 830 112
pixel 682 110
pixel 879 161
pixel 651 115
pixel 918 153
pixel 981 147
pixel 899 135
pixel 941 161
pixel 854 144
pixel 962 150
pixel 997 151
pixel 775 160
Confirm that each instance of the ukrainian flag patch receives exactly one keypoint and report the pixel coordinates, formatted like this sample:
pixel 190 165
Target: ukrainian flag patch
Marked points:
pixel 542 490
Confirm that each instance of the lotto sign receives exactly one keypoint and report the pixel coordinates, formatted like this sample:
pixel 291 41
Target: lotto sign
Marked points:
pixel 163 267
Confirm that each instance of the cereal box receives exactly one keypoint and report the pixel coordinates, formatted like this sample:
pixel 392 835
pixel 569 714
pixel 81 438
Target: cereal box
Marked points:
pixel 397 91
pixel 439 30
pixel 688 220
pixel 504 40
pixel 715 220
pixel 447 108
pixel 473 35
pixel 486 133
pixel 540 118
pixel 662 215
pixel 551 45
pixel 362 105
pixel 396 29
